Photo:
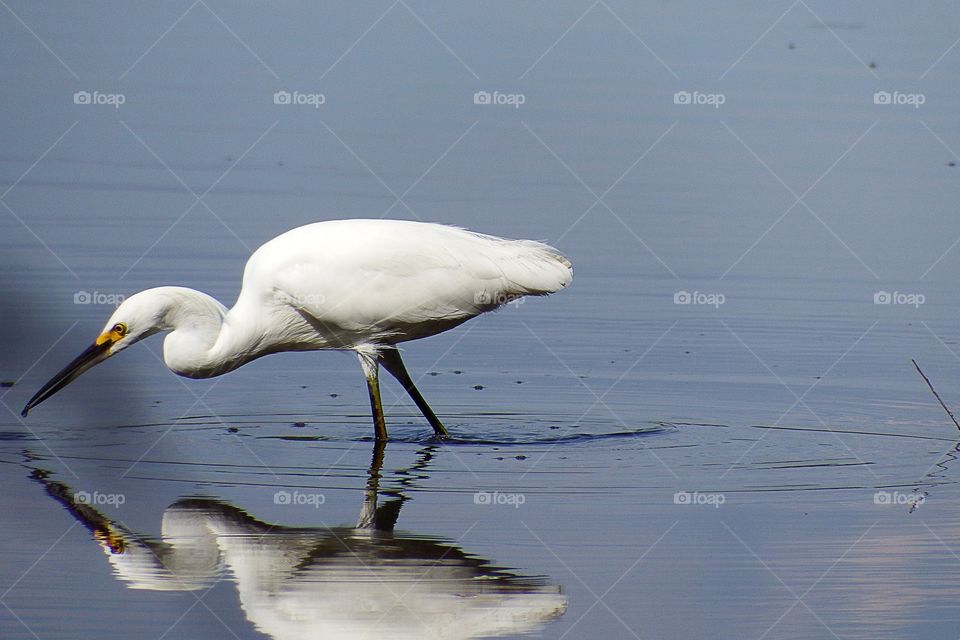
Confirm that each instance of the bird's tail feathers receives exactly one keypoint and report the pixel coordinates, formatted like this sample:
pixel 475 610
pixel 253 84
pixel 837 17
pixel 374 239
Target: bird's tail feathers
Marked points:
pixel 536 269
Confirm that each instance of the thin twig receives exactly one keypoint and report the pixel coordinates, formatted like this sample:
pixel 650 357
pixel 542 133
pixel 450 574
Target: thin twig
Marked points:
pixel 935 394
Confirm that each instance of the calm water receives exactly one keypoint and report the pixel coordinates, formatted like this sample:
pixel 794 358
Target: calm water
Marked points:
pixel 761 462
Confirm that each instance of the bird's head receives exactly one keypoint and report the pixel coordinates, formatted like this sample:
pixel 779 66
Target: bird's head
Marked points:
pixel 135 319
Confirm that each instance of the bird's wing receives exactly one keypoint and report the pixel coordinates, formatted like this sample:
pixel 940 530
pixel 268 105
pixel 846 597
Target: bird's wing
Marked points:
pixel 383 276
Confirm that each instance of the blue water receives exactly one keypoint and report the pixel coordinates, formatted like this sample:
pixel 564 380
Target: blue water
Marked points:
pixel 762 462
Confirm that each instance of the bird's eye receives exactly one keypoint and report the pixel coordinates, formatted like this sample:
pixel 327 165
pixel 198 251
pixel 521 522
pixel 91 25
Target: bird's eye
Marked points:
pixel 120 328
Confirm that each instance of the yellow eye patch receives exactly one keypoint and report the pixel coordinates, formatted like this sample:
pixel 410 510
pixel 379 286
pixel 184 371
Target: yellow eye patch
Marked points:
pixel 116 333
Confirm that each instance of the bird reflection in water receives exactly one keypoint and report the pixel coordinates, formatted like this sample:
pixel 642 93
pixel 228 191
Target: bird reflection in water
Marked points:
pixel 338 582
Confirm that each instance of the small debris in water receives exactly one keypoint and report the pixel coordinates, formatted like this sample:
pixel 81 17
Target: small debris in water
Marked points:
pixel 478 387
pixel 299 424
pixel 791 46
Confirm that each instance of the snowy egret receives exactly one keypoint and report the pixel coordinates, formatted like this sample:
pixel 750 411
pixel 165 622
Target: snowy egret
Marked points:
pixel 361 285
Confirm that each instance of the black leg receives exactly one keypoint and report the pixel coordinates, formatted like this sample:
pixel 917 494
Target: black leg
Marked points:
pixel 370 372
pixel 390 359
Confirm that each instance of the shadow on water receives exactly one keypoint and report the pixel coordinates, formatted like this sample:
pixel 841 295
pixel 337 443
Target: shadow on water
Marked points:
pixel 487 428
pixel 503 440
pixel 336 582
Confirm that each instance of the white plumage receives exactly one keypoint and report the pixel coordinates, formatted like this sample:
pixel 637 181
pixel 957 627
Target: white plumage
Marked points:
pixel 363 285
pixel 371 281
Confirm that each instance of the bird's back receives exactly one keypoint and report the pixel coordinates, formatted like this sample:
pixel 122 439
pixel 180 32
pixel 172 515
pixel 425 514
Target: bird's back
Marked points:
pixel 368 281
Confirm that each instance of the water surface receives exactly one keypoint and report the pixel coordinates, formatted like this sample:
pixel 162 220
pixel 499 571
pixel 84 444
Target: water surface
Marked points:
pixel 761 462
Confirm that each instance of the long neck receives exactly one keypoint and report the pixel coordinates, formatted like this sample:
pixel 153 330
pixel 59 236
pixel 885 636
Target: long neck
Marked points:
pixel 205 339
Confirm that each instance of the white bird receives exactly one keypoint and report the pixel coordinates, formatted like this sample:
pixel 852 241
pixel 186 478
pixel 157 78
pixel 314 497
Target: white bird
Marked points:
pixel 361 285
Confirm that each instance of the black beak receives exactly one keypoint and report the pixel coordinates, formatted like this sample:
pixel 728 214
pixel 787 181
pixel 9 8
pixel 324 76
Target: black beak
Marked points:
pixel 94 354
